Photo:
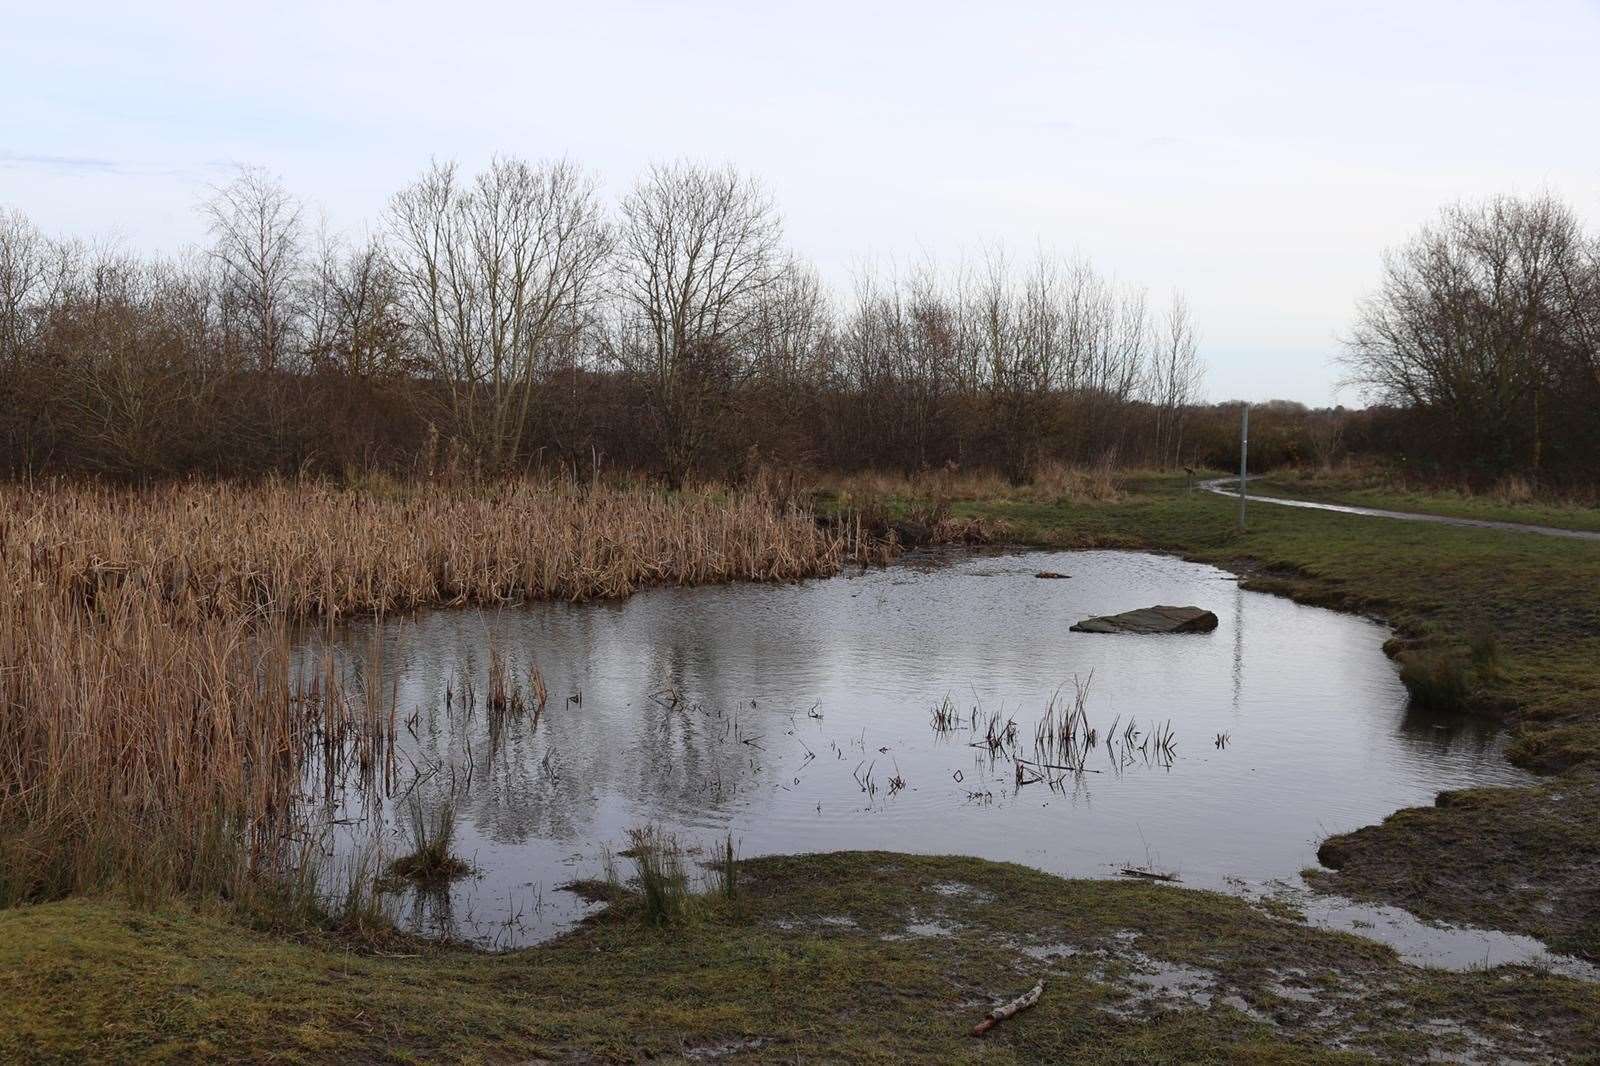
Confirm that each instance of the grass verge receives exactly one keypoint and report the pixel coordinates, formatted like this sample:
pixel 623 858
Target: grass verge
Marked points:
pixel 1361 489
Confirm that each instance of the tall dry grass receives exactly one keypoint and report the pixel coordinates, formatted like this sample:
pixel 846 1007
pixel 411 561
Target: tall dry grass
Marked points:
pixel 136 752
pixel 300 550
pixel 152 739
pixel 1053 482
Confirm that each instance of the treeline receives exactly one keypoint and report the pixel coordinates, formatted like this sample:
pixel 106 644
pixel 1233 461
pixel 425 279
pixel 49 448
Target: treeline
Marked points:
pixel 1483 345
pixel 509 320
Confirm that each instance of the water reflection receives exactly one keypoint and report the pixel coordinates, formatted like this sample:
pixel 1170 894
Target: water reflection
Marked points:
pixel 780 713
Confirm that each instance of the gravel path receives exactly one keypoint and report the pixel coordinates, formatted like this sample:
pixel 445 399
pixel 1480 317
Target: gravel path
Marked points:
pixel 1219 486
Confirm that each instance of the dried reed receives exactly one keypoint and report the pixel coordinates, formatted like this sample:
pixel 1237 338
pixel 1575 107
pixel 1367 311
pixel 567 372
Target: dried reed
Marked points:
pixel 305 549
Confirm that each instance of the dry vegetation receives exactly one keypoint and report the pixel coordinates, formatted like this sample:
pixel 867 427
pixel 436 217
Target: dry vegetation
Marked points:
pixel 1053 483
pixel 153 735
pixel 306 550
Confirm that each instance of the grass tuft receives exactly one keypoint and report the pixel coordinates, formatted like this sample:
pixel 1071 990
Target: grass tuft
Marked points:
pixel 432 861
pixel 663 885
pixel 1436 679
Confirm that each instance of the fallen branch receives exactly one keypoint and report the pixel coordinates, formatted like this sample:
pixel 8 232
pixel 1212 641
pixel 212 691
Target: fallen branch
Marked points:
pixel 1000 1014
pixel 1134 871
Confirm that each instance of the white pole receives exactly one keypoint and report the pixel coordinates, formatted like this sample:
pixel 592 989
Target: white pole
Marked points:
pixel 1244 461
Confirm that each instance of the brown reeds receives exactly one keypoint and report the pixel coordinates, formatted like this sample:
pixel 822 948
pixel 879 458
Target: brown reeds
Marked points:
pixel 142 754
pixel 1053 482
pixel 306 549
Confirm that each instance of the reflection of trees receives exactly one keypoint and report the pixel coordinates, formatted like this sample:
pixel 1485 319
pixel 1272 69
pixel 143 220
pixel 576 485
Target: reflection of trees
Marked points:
pixel 667 679
pixel 547 778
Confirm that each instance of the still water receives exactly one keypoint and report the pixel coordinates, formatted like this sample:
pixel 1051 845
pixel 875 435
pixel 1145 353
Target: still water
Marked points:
pixel 785 715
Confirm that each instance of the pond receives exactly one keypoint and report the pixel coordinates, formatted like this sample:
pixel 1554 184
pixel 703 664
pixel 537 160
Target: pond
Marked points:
pixel 802 718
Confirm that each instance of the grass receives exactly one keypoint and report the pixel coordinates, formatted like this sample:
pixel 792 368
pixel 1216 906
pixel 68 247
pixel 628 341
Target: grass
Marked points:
pixel 663 884
pixel 309 550
pixel 725 870
pixel 1520 859
pixel 1437 680
pixel 820 962
pixel 1489 622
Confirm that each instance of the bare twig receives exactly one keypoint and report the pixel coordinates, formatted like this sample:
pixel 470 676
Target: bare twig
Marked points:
pixel 1000 1014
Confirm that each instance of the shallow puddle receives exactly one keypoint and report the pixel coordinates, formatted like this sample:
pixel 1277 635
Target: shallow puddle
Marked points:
pixel 800 718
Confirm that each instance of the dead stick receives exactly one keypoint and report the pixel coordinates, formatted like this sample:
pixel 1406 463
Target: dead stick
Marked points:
pixel 1000 1014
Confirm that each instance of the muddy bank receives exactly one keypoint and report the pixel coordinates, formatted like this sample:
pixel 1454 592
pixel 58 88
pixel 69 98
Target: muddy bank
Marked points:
pixel 1525 860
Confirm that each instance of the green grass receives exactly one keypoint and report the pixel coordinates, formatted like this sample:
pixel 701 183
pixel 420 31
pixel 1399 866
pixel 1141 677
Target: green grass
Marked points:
pixel 821 961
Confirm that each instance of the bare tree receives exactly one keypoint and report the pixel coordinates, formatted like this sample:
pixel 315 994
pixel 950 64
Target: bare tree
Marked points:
pixel 790 333
pixel 503 309
pixel 1580 293
pixel 127 342
pixel 354 322
pixel 1325 432
pixel 32 269
pixel 1018 333
pixel 494 276
pixel 909 349
pixel 698 249
pixel 1108 341
pixel 1468 321
pixel 257 234
pixel 1174 379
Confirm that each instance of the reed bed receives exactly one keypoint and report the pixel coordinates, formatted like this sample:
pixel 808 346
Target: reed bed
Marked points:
pixel 306 549
pixel 142 754
pixel 153 736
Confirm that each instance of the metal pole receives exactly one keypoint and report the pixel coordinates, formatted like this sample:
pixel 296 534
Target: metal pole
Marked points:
pixel 1244 462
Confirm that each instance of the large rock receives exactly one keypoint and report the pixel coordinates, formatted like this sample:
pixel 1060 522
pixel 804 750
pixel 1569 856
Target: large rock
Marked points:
pixel 1151 620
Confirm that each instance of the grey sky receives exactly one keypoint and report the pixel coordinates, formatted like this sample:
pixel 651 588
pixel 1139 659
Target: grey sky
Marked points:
pixel 1256 156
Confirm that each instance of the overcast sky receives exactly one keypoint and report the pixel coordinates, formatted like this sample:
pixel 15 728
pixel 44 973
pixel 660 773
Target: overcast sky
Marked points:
pixel 1256 156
